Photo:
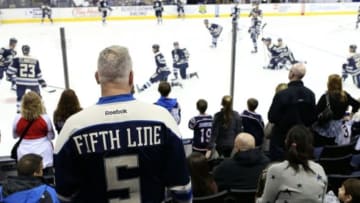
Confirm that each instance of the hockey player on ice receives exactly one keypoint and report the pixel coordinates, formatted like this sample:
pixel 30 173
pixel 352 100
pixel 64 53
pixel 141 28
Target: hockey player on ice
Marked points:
pixel 162 71
pixel 215 31
pixel 254 31
pixel 27 74
pixel 275 59
pixel 104 7
pixel 181 63
pixel 158 7
pixel 6 57
pixel 352 66
pixel 287 57
pixel 180 8
pixel 46 11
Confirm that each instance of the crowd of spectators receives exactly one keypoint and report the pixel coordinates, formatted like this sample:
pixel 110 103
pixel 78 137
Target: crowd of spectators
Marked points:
pixel 135 152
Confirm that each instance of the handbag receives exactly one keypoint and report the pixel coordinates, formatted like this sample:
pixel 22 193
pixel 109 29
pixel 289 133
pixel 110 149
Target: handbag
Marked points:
pixel 326 115
pixel 16 145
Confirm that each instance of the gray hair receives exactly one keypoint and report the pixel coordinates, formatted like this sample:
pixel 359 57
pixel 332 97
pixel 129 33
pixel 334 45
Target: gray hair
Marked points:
pixel 114 64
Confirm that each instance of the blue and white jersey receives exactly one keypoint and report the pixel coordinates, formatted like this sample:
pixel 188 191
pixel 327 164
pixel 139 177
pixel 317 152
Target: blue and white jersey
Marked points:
pixel 353 64
pixel 46 10
pixel 235 13
pixel 255 27
pixel 26 71
pixel 180 57
pixel 255 12
pixel 202 125
pixel 274 51
pixel 215 29
pixel 160 63
pixel 158 5
pixel 121 150
pixel 172 106
pixel 6 57
pixel 104 5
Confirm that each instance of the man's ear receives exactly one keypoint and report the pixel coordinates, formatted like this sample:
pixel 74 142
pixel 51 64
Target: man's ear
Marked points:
pixel 131 78
pixel 97 77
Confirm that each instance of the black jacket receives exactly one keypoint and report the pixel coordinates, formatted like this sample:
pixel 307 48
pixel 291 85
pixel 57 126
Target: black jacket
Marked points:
pixel 337 107
pixel 292 106
pixel 242 171
pixel 224 136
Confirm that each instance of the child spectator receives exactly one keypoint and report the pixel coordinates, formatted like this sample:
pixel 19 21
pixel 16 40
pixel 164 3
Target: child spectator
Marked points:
pixel 201 125
pixel 253 122
pixel 170 104
pixel 349 192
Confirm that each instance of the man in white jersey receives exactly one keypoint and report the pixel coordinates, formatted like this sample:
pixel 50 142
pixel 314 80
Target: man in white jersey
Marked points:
pixel 121 149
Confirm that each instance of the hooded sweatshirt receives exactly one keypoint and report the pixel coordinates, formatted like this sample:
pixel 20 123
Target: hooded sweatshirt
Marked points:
pixel 26 190
pixel 242 171
pixel 172 106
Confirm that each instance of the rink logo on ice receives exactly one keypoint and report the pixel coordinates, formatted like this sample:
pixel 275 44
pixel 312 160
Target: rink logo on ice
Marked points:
pixel 85 12
pixel 34 12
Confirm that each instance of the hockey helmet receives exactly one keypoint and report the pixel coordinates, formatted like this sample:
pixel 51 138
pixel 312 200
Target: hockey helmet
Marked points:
pixel 353 47
pixel 25 49
pixel 206 21
pixel 176 43
pixel 156 47
pixel 12 41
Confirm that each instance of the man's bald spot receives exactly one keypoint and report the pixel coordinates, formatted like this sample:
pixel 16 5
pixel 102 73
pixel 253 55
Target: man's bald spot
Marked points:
pixel 244 142
pixel 298 70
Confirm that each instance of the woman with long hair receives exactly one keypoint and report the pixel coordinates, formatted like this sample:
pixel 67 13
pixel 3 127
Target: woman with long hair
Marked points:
pixel 333 131
pixel 40 132
pixel 203 184
pixel 227 124
pixel 298 179
pixel 68 105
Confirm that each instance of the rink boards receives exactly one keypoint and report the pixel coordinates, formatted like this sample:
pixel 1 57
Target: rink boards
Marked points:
pixel 78 14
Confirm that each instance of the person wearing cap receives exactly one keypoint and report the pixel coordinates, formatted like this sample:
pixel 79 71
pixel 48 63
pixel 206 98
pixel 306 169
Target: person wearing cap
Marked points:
pixel 6 57
pixel 162 70
pixel 352 66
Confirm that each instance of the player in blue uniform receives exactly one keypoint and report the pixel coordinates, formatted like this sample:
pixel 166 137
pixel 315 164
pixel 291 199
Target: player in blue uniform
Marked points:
pixel 254 31
pixel 256 11
pixel 275 59
pixel 6 57
pixel 121 149
pixel 358 19
pixel 162 71
pixel 104 7
pixel 181 62
pixel 180 8
pixel 201 125
pixel 352 66
pixel 46 11
pixel 286 55
pixel 235 12
pixel 27 74
pixel 215 31
pixel 158 7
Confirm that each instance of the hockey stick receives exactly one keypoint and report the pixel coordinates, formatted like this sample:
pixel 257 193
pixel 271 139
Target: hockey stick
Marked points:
pixel 52 88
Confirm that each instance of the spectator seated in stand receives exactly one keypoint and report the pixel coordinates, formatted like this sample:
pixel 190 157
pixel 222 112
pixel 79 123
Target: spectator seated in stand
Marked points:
pixel 349 192
pixel 28 186
pixel 241 171
pixel 202 181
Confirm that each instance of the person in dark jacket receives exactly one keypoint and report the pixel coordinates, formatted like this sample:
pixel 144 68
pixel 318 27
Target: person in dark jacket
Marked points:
pixel 242 171
pixel 334 130
pixel 294 105
pixel 169 103
pixel 28 186
pixel 227 124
